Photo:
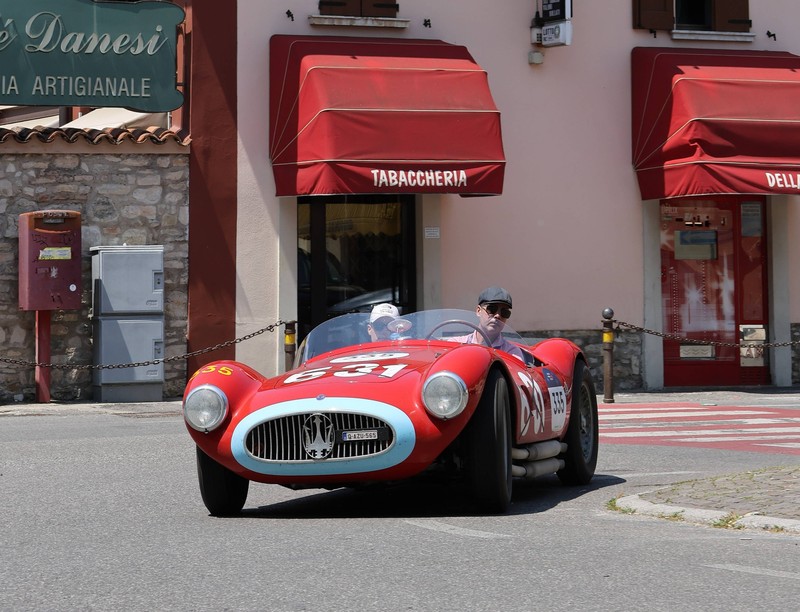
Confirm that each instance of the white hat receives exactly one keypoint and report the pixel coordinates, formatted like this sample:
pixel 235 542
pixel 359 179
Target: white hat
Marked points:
pixel 384 310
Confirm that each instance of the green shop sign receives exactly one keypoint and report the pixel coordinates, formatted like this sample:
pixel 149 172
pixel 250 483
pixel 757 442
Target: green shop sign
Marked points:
pixel 89 53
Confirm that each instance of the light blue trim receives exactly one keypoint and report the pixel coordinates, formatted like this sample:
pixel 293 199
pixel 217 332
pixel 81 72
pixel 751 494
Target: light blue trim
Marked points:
pixel 404 437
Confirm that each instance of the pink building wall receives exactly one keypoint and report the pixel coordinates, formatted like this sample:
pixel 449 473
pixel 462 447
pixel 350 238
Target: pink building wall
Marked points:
pixel 569 235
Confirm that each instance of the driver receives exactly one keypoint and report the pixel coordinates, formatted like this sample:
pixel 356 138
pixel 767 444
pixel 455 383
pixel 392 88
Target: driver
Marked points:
pixel 494 309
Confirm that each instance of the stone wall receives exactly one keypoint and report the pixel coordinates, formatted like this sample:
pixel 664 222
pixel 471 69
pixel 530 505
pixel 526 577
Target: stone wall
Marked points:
pixel 627 354
pixel 133 199
pixel 795 331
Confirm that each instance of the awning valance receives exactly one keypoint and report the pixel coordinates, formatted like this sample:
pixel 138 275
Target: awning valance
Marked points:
pixel 366 115
pixel 712 121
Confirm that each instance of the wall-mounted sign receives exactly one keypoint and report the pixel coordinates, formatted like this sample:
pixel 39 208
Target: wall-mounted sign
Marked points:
pixel 556 10
pixel 89 53
pixel 557 33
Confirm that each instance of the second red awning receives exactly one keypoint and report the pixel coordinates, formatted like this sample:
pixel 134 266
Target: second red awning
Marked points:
pixel 715 121
pixel 365 115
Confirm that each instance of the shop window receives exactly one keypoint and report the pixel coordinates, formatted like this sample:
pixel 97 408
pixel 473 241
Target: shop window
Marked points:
pixel 700 15
pixel 358 8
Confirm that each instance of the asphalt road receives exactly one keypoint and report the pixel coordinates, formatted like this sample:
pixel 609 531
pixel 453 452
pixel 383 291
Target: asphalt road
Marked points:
pixel 101 511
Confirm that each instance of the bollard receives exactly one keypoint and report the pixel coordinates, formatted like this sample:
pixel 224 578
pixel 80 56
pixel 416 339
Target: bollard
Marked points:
pixel 608 356
pixel 289 345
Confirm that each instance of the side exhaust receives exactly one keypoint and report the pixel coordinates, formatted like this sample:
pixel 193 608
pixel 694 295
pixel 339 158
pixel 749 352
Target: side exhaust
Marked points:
pixel 537 459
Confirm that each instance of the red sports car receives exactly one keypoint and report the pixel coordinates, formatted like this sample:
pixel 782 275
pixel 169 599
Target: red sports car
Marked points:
pixel 355 412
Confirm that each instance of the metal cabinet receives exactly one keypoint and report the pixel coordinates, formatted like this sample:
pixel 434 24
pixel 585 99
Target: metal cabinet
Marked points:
pixel 128 322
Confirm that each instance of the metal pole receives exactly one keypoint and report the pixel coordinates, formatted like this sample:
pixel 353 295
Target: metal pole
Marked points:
pixel 42 375
pixel 608 356
pixel 289 345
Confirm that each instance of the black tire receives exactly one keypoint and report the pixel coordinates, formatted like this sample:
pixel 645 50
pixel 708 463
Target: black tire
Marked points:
pixel 489 451
pixel 223 491
pixel 582 431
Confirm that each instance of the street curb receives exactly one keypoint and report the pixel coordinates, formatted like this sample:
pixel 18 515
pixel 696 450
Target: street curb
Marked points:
pixel 141 409
pixel 633 503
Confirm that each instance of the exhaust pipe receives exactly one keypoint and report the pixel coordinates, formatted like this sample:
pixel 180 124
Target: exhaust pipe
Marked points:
pixel 539 450
pixel 533 469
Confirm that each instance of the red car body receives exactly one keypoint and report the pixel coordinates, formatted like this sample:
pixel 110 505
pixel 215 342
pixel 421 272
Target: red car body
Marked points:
pixel 353 412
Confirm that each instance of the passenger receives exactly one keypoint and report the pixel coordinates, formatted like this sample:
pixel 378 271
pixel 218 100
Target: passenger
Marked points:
pixel 385 323
pixel 494 309
pixel 379 319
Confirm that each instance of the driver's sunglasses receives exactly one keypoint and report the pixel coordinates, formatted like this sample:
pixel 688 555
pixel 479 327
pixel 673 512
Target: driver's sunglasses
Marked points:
pixel 379 325
pixel 493 309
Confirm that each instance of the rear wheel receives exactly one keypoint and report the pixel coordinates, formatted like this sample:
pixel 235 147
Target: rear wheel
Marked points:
pixel 489 439
pixel 582 431
pixel 223 491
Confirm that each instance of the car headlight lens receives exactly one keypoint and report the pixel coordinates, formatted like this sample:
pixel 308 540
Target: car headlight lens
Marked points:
pixel 205 408
pixel 444 395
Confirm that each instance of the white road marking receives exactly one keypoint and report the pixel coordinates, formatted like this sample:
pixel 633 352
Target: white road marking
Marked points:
pixel 755 570
pixel 673 415
pixel 650 474
pixel 655 423
pixel 699 432
pixel 607 409
pixel 453 530
pixel 701 438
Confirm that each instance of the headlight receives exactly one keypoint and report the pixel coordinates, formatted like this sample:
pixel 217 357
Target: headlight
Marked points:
pixel 205 408
pixel 444 395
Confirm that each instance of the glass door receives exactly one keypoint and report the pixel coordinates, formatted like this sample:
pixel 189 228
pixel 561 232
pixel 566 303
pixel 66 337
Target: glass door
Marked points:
pixel 354 252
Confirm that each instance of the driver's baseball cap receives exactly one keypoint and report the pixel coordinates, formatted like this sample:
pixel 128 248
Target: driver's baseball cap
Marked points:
pixel 381 311
pixel 495 294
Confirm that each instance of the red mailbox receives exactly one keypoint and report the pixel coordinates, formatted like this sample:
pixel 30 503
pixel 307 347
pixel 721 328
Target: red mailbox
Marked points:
pixel 50 260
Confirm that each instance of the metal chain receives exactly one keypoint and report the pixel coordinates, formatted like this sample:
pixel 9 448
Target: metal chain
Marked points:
pixel 760 345
pixel 114 366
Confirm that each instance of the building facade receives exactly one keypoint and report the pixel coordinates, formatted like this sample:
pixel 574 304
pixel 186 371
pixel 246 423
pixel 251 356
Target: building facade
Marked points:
pixel 582 223
pixel 348 153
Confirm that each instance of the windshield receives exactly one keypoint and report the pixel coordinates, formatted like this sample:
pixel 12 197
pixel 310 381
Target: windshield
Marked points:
pixel 351 329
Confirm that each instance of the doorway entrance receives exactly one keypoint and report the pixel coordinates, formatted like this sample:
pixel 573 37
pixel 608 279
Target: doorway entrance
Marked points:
pixel 714 290
pixel 354 252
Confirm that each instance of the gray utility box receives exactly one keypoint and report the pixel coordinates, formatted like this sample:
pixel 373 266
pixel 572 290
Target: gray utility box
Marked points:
pixel 127 340
pixel 128 280
pixel 128 322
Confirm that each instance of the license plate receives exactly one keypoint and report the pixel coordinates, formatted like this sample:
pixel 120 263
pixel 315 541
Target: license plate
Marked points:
pixel 352 436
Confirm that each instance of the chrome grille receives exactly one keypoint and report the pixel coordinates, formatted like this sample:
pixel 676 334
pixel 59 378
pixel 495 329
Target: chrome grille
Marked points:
pixel 282 439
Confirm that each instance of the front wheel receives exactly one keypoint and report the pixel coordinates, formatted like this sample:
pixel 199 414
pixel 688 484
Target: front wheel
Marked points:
pixel 582 432
pixel 223 491
pixel 489 439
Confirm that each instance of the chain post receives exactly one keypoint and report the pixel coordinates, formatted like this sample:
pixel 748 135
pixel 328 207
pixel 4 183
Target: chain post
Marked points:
pixel 608 356
pixel 289 344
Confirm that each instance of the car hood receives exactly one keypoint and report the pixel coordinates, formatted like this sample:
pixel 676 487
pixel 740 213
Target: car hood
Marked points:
pixel 377 363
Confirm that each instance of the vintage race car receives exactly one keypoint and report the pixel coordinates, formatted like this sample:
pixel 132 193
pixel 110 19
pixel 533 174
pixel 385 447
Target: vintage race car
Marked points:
pixel 354 412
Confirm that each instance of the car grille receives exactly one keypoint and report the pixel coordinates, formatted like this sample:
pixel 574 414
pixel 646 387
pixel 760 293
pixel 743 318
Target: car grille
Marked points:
pixel 283 439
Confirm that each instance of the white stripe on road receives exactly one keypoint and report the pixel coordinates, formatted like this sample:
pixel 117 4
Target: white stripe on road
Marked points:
pixel 760 571
pixel 453 530
pixel 702 423
pixel 698 432
pixel 651 474
pixel 735 438
pixel 607 408
pixel 672 415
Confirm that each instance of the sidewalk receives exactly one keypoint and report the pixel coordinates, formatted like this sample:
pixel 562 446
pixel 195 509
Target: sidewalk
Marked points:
pixel 761 499
pixel 767 499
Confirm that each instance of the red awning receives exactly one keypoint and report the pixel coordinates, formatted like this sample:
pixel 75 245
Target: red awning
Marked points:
pixel 710 121
pixel 366 115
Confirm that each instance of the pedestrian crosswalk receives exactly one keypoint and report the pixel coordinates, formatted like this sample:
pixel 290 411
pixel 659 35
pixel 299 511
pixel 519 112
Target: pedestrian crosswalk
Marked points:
pixel 747 428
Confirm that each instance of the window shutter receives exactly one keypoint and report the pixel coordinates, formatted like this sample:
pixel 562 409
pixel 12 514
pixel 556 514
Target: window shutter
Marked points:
pixel 340 7
pixel 732 16
pixel 654 14
pixel 379 8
